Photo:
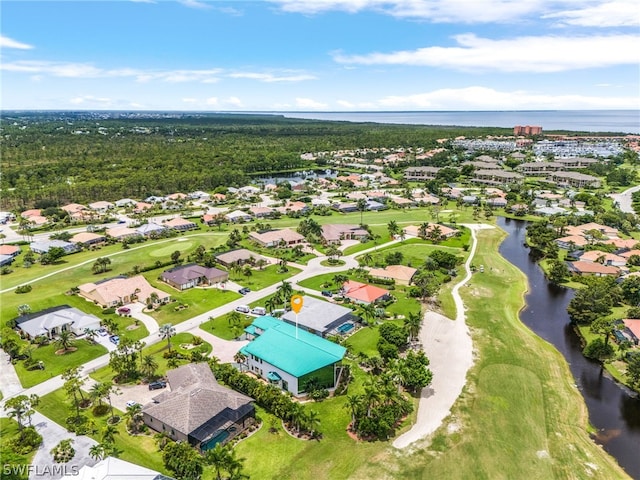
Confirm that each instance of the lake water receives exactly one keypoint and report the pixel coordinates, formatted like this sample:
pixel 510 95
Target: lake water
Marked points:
pixel 613 410
pixel 618 121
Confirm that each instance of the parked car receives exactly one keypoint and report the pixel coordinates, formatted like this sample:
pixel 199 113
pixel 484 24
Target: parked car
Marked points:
pixel 259 311
pixel 102 332
pixel 244 290
pixel 157 385
pixel 243 309
pixel 115 339
pixel 327 293
pixel 132 403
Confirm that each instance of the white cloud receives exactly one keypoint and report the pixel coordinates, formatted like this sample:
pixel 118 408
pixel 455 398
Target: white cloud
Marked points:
pixel 89 100
pixel 195 4
pixel 616 13
pixel 522 54
pixel 190 100
pixel 309 103
pixel 586 13
pixel 211 101
pixel 233 101
pixel 465 11
pixel 345 104
pixel 6 42
pixel 483 98
pixel 85 70
pixel 57 69
pixel 269 78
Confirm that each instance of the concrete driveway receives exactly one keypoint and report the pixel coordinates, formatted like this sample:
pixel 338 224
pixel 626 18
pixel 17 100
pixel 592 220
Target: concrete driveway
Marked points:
pixel 135 393
pixel 52 434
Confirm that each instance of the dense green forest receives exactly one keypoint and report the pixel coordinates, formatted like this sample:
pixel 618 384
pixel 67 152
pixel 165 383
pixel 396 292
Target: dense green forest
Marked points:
pixel 81 157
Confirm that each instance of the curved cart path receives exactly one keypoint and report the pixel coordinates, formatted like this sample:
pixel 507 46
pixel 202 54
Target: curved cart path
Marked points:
pixel 448 345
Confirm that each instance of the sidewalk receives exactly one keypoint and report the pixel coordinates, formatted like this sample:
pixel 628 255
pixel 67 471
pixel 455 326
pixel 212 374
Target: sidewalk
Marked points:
pixel 9 382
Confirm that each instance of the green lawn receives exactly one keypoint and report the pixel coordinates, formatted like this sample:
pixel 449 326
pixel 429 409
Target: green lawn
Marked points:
pixel 56 364
pixel 260 279
pixel 8 435
pixel 105 374
pixel 198 301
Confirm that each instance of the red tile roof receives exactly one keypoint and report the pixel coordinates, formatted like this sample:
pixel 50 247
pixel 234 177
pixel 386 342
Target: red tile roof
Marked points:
pixel 363 292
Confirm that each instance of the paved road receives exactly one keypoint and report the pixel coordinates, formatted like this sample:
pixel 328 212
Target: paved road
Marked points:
pixel 624 199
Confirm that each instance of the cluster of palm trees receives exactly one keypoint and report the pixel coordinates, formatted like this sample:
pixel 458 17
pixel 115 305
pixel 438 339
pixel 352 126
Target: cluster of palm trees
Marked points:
pixel 101 265
pixel 107 446
pixel 430 231
pixel 280 298
pixel 377 411
pixel 300 420
pixel 223 458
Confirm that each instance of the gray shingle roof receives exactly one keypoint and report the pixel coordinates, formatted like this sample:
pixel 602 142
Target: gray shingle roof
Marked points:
pixel 195 399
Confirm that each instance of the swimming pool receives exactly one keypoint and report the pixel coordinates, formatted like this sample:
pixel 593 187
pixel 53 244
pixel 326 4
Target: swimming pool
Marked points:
pixel 345 327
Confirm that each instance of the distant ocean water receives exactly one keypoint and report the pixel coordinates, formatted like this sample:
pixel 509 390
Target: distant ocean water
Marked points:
pixel 614 121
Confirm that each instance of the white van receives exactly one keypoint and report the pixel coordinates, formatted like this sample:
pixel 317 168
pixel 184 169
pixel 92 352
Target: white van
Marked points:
pixel 259 311
pixel 243 309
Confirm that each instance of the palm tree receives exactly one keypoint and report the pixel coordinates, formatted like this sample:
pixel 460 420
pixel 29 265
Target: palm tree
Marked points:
pixel 90 334
pixel 413 323
pixel 333 253
pixel 134 413
pixel 97 452
pixel 354 403
pixel 313 421
pixel 423 229
pixel 393 228
pixel 218 457
pixel 368 311
pixel 284 291
pixel 149 366
pixel 239 357
pixel 109 433
pixel 362 206
pixel 435 233
pixel 371 396
pixel 64 340
pixel 338 279
pixel 272 302
pixel 166 332
pixel 111 389
pixel 367 258
pixel 98 392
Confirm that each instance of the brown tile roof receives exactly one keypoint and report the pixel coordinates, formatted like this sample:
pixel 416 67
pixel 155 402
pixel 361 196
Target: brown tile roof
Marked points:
pixel 397 272
pixel 593 268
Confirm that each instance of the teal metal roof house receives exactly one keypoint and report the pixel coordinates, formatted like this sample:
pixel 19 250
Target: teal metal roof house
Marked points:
pixel 289 357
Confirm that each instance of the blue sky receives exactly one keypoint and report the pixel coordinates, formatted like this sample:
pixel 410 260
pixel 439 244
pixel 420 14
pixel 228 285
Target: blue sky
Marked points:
pixel 325 55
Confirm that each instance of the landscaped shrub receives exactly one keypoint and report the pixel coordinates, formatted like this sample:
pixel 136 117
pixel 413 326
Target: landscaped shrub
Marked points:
pixel 31 440
pixel 23 289
pixel 109 311
pixel 63 452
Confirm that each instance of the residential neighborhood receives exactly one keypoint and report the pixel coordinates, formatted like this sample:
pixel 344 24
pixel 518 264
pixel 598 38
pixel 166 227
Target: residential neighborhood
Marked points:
pixel 182 302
